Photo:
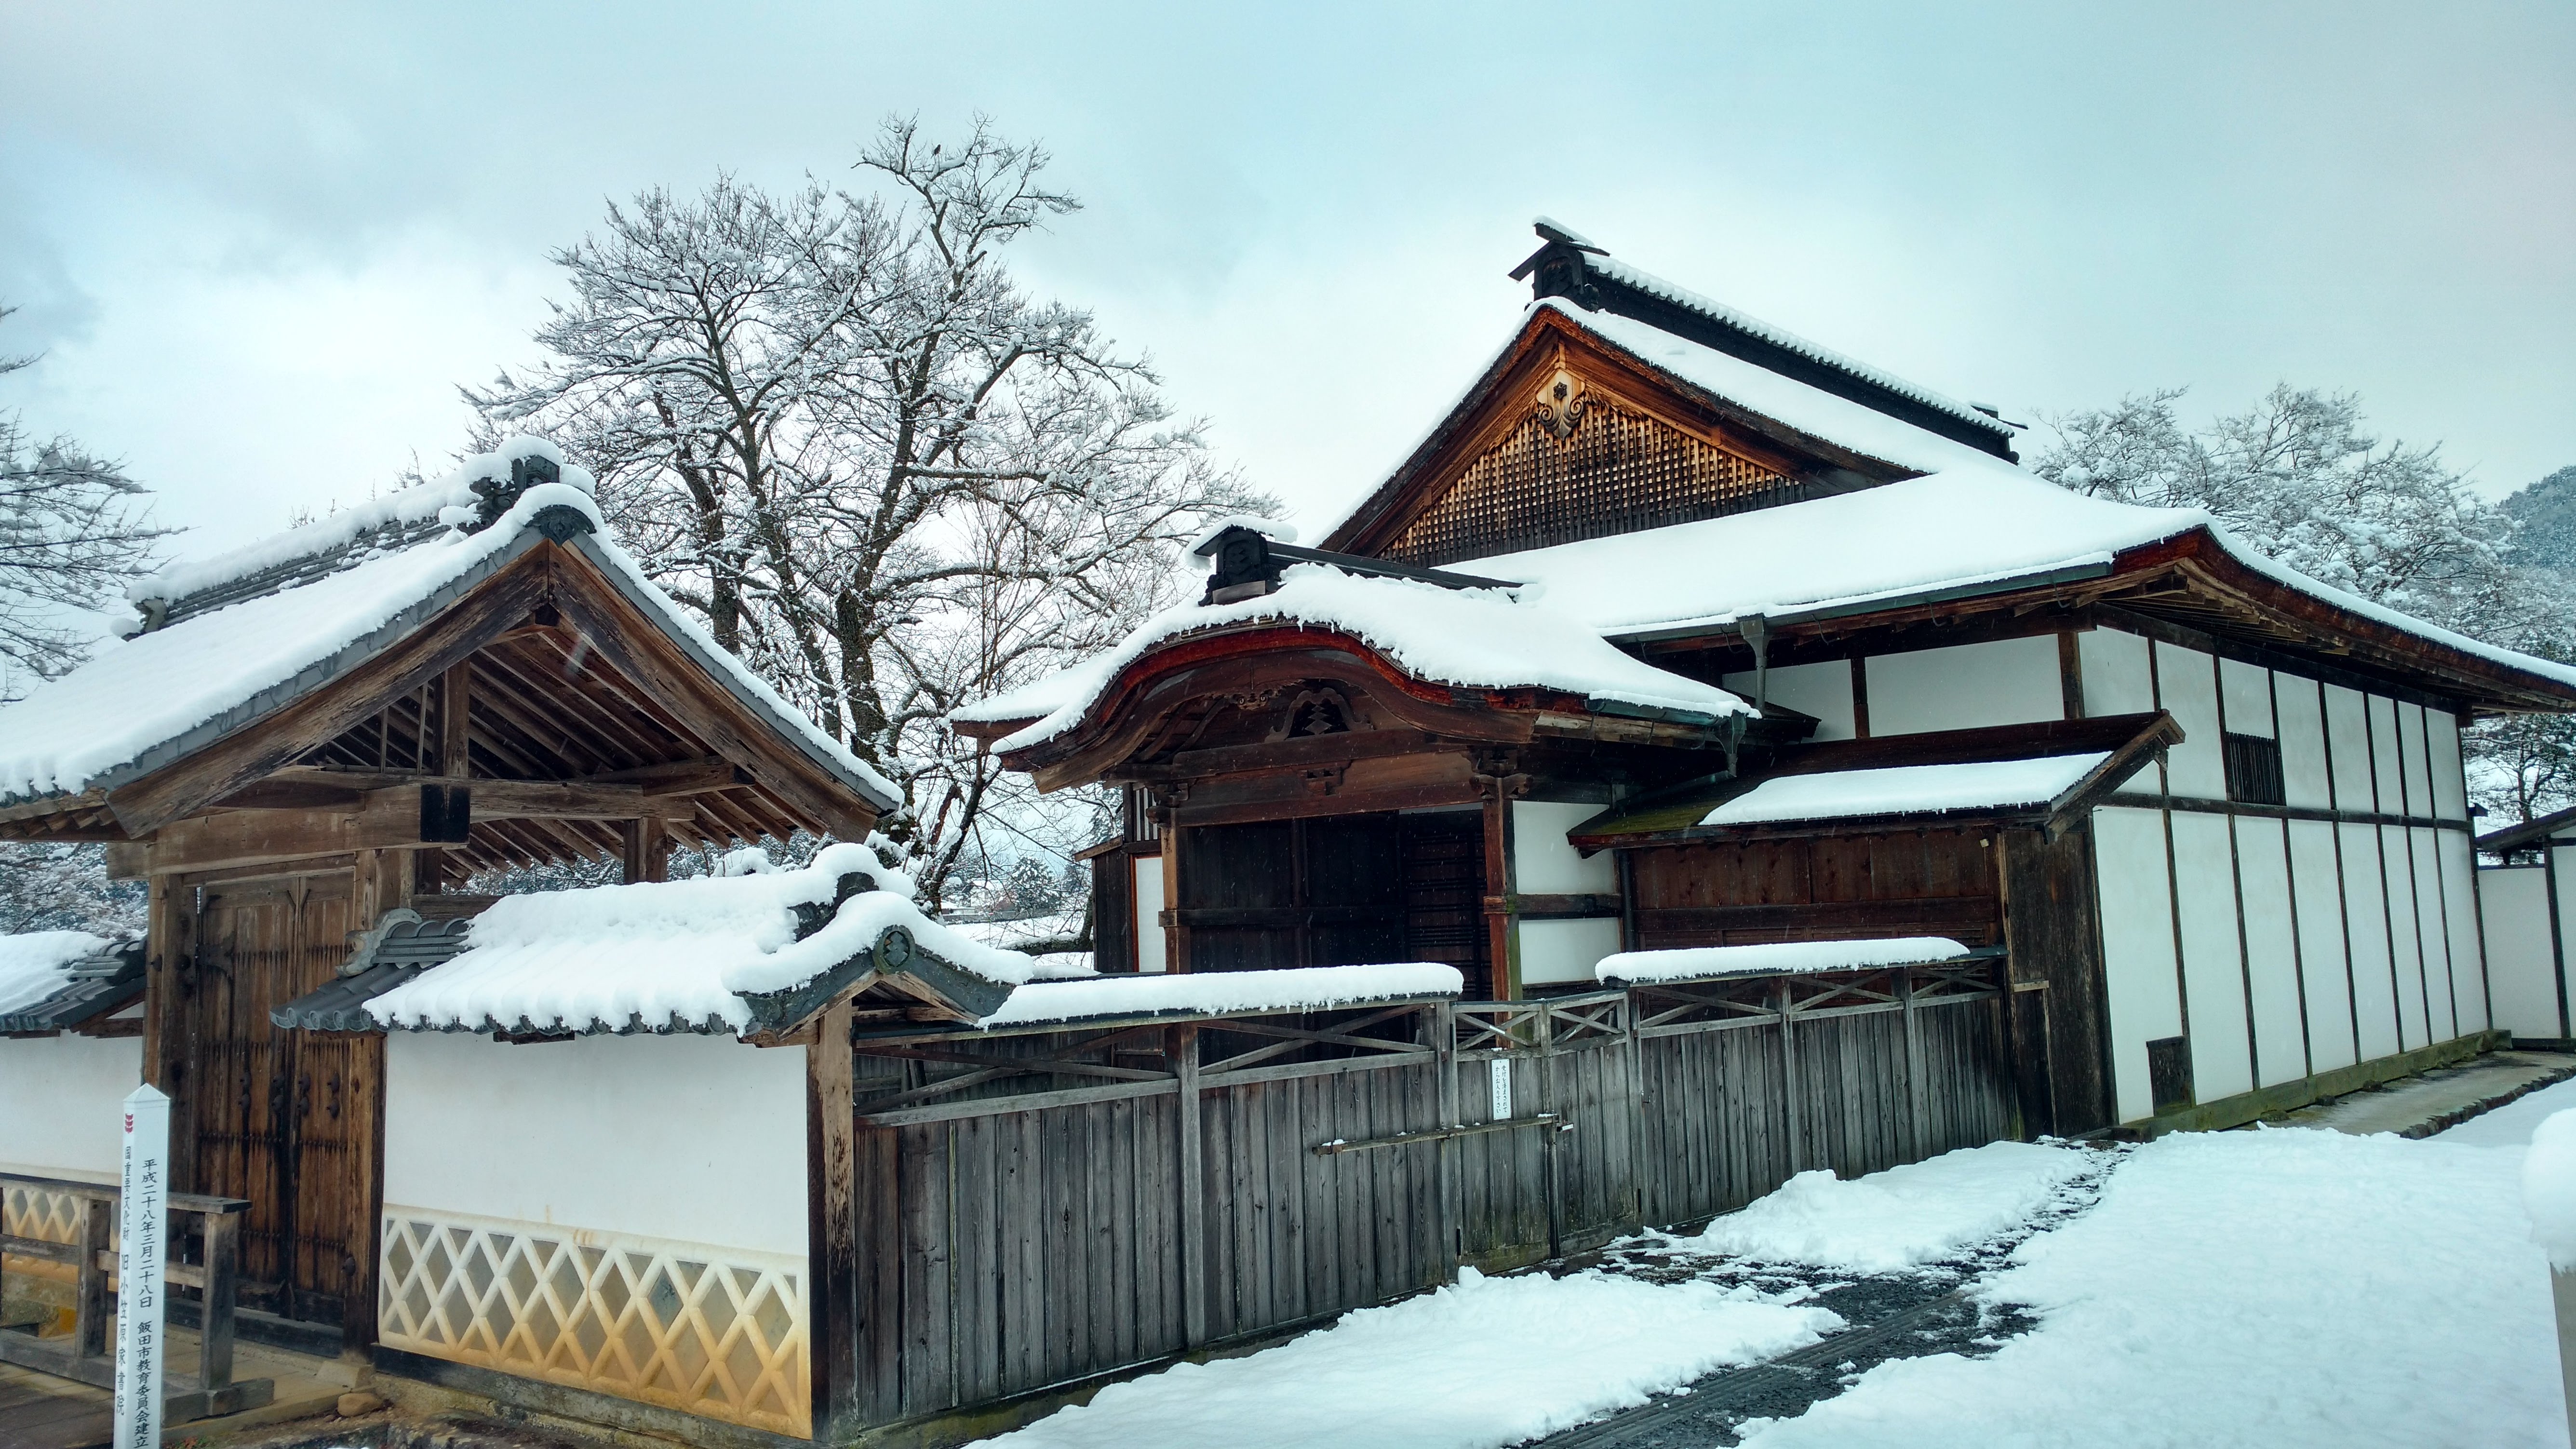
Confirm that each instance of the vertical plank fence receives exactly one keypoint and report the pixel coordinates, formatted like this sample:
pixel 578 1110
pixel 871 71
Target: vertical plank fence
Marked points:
pixel 1039 1207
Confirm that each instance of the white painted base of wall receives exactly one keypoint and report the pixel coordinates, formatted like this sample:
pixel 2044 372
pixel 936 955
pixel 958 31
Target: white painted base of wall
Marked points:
pixel 1558 953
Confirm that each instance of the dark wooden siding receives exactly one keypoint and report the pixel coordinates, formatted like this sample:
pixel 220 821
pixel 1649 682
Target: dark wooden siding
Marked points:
pixel 1902 883
pixel 2053 925
pixel 1336 891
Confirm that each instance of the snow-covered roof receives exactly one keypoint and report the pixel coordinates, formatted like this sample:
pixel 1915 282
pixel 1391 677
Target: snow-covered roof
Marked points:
pixel 36 964
pixel 1218 993
pixel 297 610
pixel 1777 958
pixel 1475 638
pixel 1908 790
pixel 669 955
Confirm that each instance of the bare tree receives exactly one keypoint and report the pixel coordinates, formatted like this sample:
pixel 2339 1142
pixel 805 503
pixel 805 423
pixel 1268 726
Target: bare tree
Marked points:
pixel 834 425
pixel 72 528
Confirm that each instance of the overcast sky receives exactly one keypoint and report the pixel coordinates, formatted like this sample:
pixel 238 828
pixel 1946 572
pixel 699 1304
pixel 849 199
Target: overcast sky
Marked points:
pixel 260 246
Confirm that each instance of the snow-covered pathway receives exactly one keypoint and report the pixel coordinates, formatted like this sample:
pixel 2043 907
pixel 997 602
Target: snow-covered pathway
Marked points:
pixel 2275 1288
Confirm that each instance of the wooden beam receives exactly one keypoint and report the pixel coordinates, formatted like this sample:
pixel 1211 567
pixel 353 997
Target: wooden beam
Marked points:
pixel 546 800
pixel 391 819
pixel 456 720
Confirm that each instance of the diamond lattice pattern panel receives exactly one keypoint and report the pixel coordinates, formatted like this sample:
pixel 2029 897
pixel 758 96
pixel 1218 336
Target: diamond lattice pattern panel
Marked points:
pixel 718 1332
pixel 28 1210
pixel 1616 471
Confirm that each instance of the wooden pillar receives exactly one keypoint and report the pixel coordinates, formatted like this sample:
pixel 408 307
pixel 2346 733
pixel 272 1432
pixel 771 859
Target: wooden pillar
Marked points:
pixel 1502 941
pixel 455 761
pixel 169 983
pixel 1191 1181
pixel 831 1227
pixel 1917 1133
pixel 648 850
pixel 1176 936
pixel 1443 1025
pixel 382 881
pixel 1784 995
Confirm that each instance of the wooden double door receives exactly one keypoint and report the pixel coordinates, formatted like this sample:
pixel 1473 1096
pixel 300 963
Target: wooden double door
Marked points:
pixel 290 1120
pixel 1337 891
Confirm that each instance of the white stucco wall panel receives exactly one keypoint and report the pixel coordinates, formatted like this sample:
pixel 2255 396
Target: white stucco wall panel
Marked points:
pixel 1966 686
pixel 2432 934
pixel 2213 966
pixel 1149 914
pixel 2386 757
pixel 2450 788
pixel 2522 964
pixel 62 1103
pixel 2187 687
pixel 2365 906
pixel 2116 675
pixel 1555 953
pixel 2398 871
pixel 2460 919
pixel 1823 690
pixel 2417 759
pixel 2348 743
pixel 1544 864
pixel 2138 967
pixel 693 1138
pixel 2325 970
pixel 2300 717
pixel 2272 959
pixel 2245 691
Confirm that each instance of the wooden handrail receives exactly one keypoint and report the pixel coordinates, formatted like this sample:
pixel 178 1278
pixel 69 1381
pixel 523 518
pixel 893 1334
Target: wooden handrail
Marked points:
pixel 180 1202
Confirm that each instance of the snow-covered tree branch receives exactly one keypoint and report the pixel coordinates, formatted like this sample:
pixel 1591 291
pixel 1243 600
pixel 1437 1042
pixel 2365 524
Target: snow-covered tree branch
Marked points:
pixel 888 477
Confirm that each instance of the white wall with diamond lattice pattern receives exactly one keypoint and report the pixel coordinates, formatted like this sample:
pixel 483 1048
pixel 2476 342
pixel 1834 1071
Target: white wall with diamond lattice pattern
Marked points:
pixel 718 1332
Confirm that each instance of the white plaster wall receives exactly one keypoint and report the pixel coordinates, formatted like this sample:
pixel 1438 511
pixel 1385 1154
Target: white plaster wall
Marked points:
pixel 2365 905
pixel 2398 870
pixel 2245 692
pixel 62 1103
pixel 2522 966
pixel 2187 688
pixel 2348 741
pixel 2272 961
pixel 700 1139
pixel 2002 681
pixel 1823 690
pixel 2450 789
pixel 1149 913
pixel 2433 935
pixel 1544 864
pixel 2418 759
pixel 2386 771
pixel 2213 966
pixel 1557 952
pixel 2301 720
pixel 2325 970
pixel 2460 903
pixel 2116 677
pixel 2137 948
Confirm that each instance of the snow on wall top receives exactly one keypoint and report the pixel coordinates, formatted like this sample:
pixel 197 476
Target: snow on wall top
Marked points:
pixel 1302 988
pixel 36 964
pixel 1654 286
pixel 1475 638
pixel 643 956
pixel 1777 958
pixel 1907 790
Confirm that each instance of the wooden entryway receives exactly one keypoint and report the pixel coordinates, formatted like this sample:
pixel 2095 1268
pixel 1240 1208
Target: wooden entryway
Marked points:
pixel 288 1120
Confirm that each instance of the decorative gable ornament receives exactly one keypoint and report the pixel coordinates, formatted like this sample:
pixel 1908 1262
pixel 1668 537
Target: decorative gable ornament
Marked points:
pixel 1562 402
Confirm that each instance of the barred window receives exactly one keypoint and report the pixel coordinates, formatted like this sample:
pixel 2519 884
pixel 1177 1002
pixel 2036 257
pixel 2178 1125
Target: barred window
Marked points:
pixel 2254 770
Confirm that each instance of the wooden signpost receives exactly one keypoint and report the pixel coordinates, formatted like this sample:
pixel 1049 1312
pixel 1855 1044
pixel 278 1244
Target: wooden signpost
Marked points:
pixel 143 1225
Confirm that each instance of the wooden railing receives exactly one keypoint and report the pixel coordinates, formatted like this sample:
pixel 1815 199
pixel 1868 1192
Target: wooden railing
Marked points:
pixel 214 1223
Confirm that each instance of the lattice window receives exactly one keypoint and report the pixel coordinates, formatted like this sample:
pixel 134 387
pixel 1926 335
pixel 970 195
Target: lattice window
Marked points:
pixel 1611 471
pixel 719 1332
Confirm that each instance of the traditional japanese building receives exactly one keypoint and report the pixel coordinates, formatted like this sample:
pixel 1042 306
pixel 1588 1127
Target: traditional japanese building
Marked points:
pixel 1680 631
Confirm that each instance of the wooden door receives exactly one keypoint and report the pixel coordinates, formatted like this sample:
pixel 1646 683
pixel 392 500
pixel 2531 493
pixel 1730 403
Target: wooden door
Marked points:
pixel 288 1120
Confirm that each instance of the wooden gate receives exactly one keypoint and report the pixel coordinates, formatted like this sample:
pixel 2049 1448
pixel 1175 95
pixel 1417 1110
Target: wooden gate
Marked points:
pixel 288 1120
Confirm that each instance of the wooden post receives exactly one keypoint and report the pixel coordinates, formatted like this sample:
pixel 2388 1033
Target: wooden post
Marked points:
pixel 1444 1048
pixel 1176 937
pixel 648 850
pixel 1545 1062
pixel 215 1324
pixel 89 1280
pixel 1789 1079
pixel 1915 1122
pixel 1184 1047
pixel 169 956
pixel 455 759
pixel 831 1226
pixel 1503 943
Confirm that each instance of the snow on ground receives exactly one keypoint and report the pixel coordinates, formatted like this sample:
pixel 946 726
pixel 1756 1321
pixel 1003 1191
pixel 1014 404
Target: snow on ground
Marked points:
pixel 2251 1288
pixel 1904 1217
pixel 2512 1124
pixel 1489 1361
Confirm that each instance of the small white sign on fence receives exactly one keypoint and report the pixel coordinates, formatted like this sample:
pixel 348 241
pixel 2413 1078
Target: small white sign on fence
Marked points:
pixel 1502 1080
pixel 143 1226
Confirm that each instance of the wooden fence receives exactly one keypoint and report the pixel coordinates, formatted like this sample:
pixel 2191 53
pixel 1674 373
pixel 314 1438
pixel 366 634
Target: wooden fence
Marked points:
pixel 1038 1208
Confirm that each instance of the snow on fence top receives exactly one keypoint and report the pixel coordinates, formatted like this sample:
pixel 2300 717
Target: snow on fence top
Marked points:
pixel 1907 790
pixel 136 696
pixel 36 964
pixel 645 956
pixel 1779 958
pixel 1476 638
pixel 1213 993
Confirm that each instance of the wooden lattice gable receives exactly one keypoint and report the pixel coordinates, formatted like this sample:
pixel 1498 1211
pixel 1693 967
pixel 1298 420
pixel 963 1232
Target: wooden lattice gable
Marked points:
pixel 593 703
pixel 1568 437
